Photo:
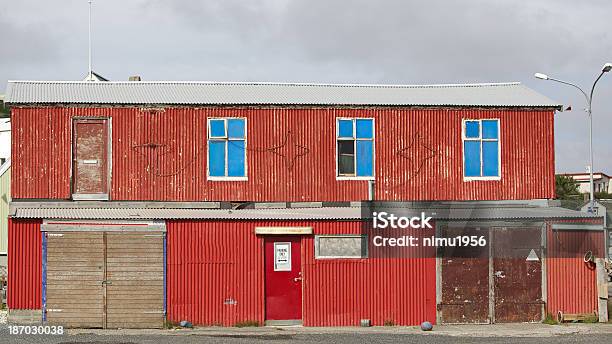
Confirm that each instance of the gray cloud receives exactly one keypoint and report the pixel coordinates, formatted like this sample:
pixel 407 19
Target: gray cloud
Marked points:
pixel 383 41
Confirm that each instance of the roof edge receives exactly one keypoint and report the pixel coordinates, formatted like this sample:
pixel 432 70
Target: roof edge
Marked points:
pixel 271 83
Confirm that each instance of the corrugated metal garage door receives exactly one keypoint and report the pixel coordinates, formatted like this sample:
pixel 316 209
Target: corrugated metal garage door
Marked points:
pixel 495 284
pixel 107 279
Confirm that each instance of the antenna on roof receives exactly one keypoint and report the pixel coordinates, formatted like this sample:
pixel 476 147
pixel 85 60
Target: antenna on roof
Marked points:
pixel 90 70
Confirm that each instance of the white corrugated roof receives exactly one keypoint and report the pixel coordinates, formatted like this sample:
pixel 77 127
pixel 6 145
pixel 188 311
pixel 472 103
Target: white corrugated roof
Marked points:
pixel 324 213
pixel 255 93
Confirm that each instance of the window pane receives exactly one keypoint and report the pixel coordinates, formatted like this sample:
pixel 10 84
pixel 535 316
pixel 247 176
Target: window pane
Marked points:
pixel 364 128
pixel 345 128
pixel 217 128
pixel 471 158
pixel 489 129
pixel 235 128
pixel 216 158
pixel 472 129
pixel 346 157
pixel 365 158
pixel 490 157
pixel 235 158
pixel 341 246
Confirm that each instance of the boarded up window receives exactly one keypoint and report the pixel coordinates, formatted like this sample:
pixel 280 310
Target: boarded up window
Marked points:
pixel 341 246
pixel 90 144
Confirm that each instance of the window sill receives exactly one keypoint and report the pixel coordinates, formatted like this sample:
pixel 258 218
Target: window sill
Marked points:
pixel 227 179
pixel 471 179
pixel 340 257
pixel 354 178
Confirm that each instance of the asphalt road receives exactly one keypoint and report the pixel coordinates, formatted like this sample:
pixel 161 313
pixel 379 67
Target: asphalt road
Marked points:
pixel 7 338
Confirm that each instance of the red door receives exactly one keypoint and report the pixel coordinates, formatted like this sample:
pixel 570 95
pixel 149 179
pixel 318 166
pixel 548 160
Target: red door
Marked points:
pixel 283 278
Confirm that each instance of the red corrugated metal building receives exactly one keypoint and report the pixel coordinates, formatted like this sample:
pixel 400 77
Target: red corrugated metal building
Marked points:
pixel 274 234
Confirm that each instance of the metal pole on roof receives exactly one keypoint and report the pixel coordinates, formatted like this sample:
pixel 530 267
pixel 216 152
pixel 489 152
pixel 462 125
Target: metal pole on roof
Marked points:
pixel 589 100
pixel 89 71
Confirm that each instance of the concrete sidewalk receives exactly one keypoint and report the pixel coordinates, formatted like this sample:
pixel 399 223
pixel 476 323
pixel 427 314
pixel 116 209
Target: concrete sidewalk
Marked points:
pixel 497 330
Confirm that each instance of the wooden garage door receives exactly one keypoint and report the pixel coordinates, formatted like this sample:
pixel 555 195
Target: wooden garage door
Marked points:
pixel 75 271
pixel 105 279
pixel 135 275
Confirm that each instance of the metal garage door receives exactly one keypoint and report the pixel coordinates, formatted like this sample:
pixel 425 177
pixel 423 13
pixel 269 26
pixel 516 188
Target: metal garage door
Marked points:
pixel 498 283
pixel 104 279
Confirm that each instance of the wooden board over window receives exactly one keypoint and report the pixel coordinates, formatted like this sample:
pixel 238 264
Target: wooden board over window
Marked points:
pixel 90 159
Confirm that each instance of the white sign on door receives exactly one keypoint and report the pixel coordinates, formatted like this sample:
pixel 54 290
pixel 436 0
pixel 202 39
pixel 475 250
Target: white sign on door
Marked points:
pixel 282 256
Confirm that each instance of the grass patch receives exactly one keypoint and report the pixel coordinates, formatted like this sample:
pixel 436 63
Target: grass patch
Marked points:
pixel 170 325
pixel 591 319
pixel 550 320
pixel 247 323
pixel 388 323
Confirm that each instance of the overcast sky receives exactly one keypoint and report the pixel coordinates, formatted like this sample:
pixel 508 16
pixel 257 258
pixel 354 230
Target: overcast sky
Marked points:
pixel 349 41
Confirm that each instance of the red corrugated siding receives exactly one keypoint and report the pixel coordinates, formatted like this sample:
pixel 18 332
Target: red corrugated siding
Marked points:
pixel 572 284
pixel 210 262
pixel 24 264
pixel 177 170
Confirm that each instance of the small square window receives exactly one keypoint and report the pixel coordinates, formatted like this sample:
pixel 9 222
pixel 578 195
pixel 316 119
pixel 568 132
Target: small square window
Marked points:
pixel 341 246
pixel 472 129
pixel 235 128
pixel 365 128
pixel 345 128
pixel 217 128
pixel 490 129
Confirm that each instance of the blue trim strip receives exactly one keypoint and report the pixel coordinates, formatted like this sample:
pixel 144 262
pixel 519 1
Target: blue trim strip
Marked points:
pixel 165 251
pixel 44 275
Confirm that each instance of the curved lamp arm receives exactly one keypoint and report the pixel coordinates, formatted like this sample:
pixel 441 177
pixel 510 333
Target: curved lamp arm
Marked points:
pixel 593 89
pixel 588 99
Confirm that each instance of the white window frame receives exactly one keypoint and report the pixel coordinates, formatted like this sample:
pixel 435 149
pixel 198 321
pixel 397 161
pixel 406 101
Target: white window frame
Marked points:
pixel 227 139
pixel 480 139
pixel 362 236
pixel 355 139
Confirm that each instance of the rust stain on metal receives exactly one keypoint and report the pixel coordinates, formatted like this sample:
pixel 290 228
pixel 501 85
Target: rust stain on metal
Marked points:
pixel 517 281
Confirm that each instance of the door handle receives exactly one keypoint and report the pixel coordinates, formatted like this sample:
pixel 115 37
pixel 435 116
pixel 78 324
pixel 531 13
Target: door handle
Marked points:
pixel 107 282
pixel 297 279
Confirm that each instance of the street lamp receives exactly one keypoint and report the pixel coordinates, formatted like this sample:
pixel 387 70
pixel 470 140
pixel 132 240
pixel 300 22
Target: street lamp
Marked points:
pixel 589 99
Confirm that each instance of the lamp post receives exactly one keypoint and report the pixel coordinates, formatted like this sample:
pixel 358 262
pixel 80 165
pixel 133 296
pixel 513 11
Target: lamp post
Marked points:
pixel 589 99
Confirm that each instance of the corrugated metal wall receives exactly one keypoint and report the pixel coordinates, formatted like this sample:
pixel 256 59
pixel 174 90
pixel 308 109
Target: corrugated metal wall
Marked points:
pixel 571 283
pixel 340 292
pixel 216 276
pixel 24 264
pixel 161 155
pixel 214 273
pixel 5 198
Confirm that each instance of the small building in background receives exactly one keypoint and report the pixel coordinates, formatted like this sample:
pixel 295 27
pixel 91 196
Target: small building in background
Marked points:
pixel 601 181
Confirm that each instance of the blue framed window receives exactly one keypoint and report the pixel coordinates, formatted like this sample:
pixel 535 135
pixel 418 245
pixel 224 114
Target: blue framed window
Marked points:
pixel 227 147
pixel 481 149
pixel 355 147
